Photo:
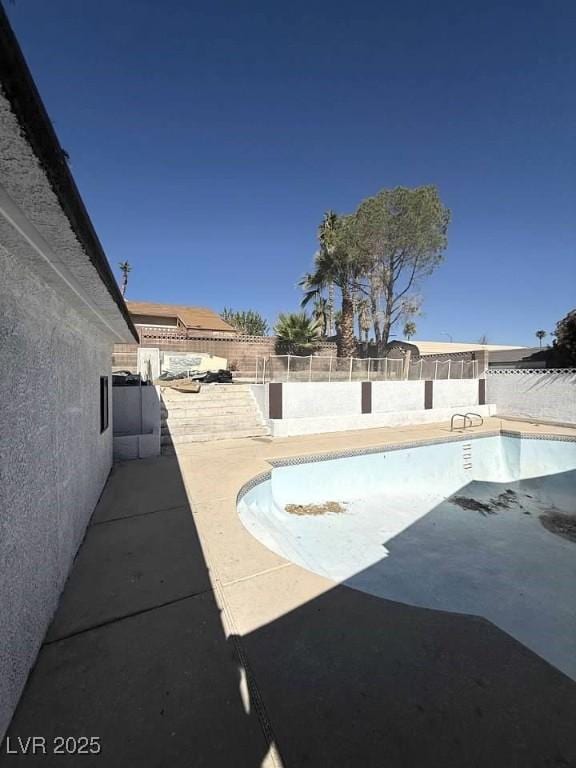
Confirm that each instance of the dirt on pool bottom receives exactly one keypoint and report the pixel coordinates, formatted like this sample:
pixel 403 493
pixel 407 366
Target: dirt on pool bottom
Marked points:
pixel 560 523
pixel 555 521
pixel 326 507
pixel 504 500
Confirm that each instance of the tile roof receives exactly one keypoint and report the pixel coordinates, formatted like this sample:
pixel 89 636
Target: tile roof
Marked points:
pixel 443 347
pixel 195 318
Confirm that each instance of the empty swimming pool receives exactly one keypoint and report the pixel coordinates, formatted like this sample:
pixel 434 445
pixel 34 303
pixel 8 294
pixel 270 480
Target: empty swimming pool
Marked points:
pixel 481 525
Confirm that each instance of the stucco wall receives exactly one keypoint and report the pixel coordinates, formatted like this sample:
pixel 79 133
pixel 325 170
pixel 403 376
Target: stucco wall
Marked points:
pixel 317 407
pixel 392 396
pixel 337 399
pixel 136 413
pixel 546 395
pixel 303 399
pixel 53 460
pixel 451 393
pixel 136 410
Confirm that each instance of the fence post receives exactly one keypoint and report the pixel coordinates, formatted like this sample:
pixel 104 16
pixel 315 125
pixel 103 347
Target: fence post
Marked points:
pixel 385 369
pixel 462 369
pixel 449 366
pixel 330 370
pixel 288 370
pixel 436 370
pixel 369 361
pixel 264 372
pixel 350 375
pixel 421 363
pixel 310 370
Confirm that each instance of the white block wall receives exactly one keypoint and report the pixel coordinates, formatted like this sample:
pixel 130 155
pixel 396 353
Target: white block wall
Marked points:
pixel 448 394
pixel 393 396
pixel 136 422
pixel 316 407
pixel 550 396
pixel 305 399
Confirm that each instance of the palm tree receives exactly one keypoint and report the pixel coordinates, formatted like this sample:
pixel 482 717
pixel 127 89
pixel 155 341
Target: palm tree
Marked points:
pixel 297 330
pixel 320 313
pixel 540 335
pixel 125 268
pixel 330 309
pixel 336 263
pixel 409 329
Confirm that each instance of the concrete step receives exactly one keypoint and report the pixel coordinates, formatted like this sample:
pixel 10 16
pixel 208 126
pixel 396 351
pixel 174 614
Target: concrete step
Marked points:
pixel 207 391
pixel 204 437
pixel 200 402
pixel 210 408
pixel 182 428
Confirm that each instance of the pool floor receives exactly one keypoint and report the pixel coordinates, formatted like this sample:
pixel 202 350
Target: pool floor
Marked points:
pixel 483 551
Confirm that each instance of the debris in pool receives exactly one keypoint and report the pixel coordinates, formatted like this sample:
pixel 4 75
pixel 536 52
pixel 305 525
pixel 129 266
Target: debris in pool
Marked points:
pixel 504 500
pixel 334 507
pixel 467 503
pixel 560 523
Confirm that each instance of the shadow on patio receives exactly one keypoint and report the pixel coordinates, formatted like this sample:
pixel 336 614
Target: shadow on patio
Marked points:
pixel 138 656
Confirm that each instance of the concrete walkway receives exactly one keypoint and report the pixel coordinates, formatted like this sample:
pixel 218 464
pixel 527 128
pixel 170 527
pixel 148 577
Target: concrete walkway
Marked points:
pixel 181 641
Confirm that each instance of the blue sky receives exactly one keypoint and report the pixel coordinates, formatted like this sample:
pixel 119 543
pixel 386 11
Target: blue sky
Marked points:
pixel 207 140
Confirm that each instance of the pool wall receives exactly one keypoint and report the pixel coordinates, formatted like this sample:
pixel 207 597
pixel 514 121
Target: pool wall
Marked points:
pixel 299 408
pixel 418 477
pixel 444 466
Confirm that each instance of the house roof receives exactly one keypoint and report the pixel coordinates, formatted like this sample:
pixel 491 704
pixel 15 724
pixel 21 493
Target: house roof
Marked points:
pixel 518 355
pixel 195 318
pixel 25 195
pixel 444 347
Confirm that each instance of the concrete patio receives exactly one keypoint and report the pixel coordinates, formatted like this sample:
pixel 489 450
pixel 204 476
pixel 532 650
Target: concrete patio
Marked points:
pixel 181 641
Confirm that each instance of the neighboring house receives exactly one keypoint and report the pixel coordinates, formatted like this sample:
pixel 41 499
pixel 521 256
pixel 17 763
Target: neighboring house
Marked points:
pixel 61 314
pixel 451 347
pixel 526 357
pixel 189 321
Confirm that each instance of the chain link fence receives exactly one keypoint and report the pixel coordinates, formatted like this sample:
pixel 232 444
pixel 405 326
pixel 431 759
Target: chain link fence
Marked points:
pixel 285 368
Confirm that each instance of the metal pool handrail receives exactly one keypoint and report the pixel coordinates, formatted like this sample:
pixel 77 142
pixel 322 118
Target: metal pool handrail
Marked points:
pixel 476 415
pixel 465 416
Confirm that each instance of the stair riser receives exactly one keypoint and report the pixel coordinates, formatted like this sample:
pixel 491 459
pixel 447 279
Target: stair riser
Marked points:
pixel 203 437
pixel 195 416
pixel 197 404
pixel 174 394
pixel 215 413
pixel 190 429
pixel 212 409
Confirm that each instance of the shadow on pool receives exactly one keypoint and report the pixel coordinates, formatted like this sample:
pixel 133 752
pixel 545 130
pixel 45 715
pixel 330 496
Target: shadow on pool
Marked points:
pixel 488 551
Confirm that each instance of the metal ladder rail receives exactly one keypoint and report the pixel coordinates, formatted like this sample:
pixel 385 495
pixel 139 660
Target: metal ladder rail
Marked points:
pixel 463 416
pixel 466 417
pixel 477 416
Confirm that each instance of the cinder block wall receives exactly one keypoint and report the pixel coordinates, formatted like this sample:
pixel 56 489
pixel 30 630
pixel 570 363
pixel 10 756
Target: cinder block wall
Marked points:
pixel 53 460
pixel 547 395
pixel 241 351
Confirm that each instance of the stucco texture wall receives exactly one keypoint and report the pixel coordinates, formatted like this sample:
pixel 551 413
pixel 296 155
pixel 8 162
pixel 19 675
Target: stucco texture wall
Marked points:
pixel 547 395
pixel 448 394
pixel 53 460
pixel 304 399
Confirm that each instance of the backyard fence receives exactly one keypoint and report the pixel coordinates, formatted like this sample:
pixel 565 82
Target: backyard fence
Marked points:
pixel 284 368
